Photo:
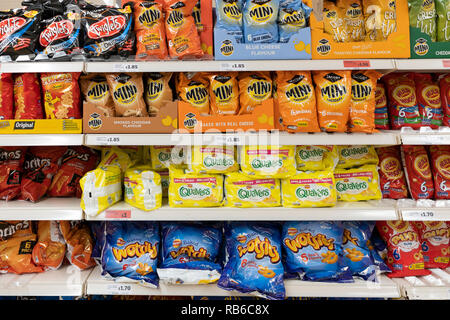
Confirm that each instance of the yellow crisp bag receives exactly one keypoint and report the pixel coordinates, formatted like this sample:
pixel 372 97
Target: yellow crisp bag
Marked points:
pixel 245 192
pixel 224 93
pixel 116 156
pixel 309 189
pixel 333 21
pixel 268 161
pixel 193 88
pixel 333 94
pixel 142 188
pixel 354 156
pixel 212 159
pixel 101 188
pixel 358 184
pixel 254 88
pixel 195 190
pixel 315 158
pixel 164 157
pixel 297 101
pixel 380 19
pixel 353 17
pixel 165 181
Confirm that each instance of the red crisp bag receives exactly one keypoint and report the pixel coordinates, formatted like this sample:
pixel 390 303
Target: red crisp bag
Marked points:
pixel 74 165
pixel 392 178
pixel 403 107
pixel 404 256
pixel 6 96
pixel 15 255
pixel 41 164
pixel 418 172
pixel 79 243
pixel 429 100
pixel 381 108
pixel 50 249
pixel 11 163
pixel 440 165
pixel 434 236
pixel 444 84
pixel 27 97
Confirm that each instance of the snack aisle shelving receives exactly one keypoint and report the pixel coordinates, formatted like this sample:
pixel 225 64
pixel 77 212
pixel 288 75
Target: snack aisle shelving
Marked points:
pixel 46 209
pixel 435 286
pixel 425 136
pixel 41 139
pixel 429 65
pixel 38 67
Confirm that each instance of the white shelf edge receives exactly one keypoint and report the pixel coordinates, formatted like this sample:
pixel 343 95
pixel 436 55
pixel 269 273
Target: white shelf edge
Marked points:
pixel 422 64
pixel 41 139
pixel 41 66
pixel 432 287
pixel 45 209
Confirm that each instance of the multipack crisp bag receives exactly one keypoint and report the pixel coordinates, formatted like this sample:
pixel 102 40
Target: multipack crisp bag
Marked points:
pixel 333 94
pixel 193 88
pixel 358 184
pixel 314 158
pixel 296 101
pixel 195 190
pixel 443 20
pixel 292 17
pixel 354 156
pixel 212 159
pixel 435 239
pixel 254 88
pixel 157 91
pixel 165 157
pixel 309 189
pixel 440 165
pixel 127 91
pixel 229 18
pixel 444 85
pixel 353 17
pixel 260 21
pixel 224 93
pixel 268 161
pixel 392 178
pixel 245 192
pixel 333 21
pixel 95 90
pixel 380 19
pixel 422 15
pixel 381 107
pixel 142 188
pixel 429 100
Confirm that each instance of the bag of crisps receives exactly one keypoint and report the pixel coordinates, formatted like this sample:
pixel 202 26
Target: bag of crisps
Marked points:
pixel 333 94
pixel 224 93
pixel 254 88
pixel 259 18
pixel 142 188
pixel 354 156
pixel 418 172
pixel 11 171
pixel 315 158
pixel 422 15
pixel 165 157
pixel 193 88
pixel 212 159
pixel 362 108
pixel 440 165
pixel 244 192
pixel 95 90
pixel 150 30
pixel 229 18
pixel 380 19
pixel 78 238
pixel 404 256
pixel 429 100
pixel 444 84
pixel 381 107
pixel 157 91
pixel 268 161
pixel 443 20
pixel 353 18
pixel 50 249
pixel 165 182
pixel 333 21
pixel 435 242
pixel 15 254
pixel 127 91
pixel 195 190
pixel 392 178
pixel 296 100
pixel 117 156
pixel 27 97
pixel 292 17
pixel 358 184
pixel 6 96
pixel 309 189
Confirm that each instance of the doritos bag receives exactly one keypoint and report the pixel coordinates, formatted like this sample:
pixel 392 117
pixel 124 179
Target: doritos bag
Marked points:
pixel 15 255
pixel 381 108
pixel 15 228
pixel 254 88
pixel 27 97
pixel 157 91
pixel 353 18
pixel 333 94
pixel 405 256
pixel 392 179
pixel 61 95
pixel 435 242
pixel 193 88
pixel 6 96
pixel 296 101
pixel 333 21
pixel 429 100
pixel 95 90
pixel 418 172
pixel 380 19
pixel 75 163
pixel 79 243
pixel 440 165
pixel 224 93
pixel 50 248
pixel 362 108
pixel 127 91
pixel 150 30
pixel 41 164
pixel 11 171
pixel 444 83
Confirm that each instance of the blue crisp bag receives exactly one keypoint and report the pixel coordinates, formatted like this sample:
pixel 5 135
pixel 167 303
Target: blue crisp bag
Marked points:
pixel 98 233
pixel 378 251
pixel 253 259
pixel 314 249
pixel 293 16
pixel 229 18
pixel 260 21
pixel 191 253
pixel 131 251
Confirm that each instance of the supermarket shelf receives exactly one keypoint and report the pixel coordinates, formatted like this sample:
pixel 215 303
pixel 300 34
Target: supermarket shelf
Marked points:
pixel 366 210
pixel 422 64
pixel 435 286
pixel 66 281
pixel 386 288
pixel 41 139
pixel 424 210
pixel 46 209
pixel 425 136
pixel 274 138
pixel 38 67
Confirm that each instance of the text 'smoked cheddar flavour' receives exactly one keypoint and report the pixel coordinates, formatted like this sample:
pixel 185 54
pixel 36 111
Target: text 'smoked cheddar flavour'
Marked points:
pixel 193 88
pixel 429 100
pixel 254 88
pixel 212 159
pixel 392 178
pixel 358 184
pixel 333 94
pixel 127 91
pixel 440 165
pixel 357 155
pixel 418 172
pixel 224 93
pixel 435 242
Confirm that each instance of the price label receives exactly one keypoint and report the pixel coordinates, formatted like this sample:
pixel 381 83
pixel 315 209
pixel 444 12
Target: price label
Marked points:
pixel 126 67
pixel 446 63
pixel 237 66
pixel 109 140
pixel 118 288
pixel 420 215
pixel 118 214
pixel 357 64
pixel 227 140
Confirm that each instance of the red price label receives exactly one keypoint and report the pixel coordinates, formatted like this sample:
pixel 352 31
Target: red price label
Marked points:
pixel 118 214
pixel 357 64
pixel 446 63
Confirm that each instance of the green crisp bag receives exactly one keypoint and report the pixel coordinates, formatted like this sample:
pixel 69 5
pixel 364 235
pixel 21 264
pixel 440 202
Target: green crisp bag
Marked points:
pixel 422 15
pixel 443 20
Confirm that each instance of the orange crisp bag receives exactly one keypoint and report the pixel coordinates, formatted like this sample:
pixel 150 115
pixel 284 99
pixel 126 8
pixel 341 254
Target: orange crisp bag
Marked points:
pixel 150 30
pixel 50 249
pixel 193 88
pixel 224 93
pixel 297 101
pixel 353 19
pixel 182 35
pixel 254 88
pixel 333 21
pixel 362 108
pixel 79 243
pixel 333 94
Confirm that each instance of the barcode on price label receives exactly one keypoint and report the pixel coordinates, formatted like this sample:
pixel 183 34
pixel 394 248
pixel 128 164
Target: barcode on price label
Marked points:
pixel 118 214
pixel 111 140
pixel 357 64
pixel 119 288
pixel 126 67
pixel 418 215
pixel 238 66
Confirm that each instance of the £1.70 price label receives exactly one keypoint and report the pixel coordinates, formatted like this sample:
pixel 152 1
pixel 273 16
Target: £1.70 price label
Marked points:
pixel 119 289
pixel 423 215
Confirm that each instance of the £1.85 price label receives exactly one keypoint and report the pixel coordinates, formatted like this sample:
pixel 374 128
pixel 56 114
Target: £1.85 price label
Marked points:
pixel 126 67
pixel 233 66
pixel 108 140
